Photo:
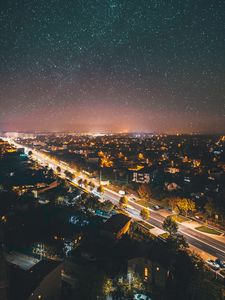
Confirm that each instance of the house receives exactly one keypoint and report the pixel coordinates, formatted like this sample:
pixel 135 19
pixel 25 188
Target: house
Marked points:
pixel 77 269
pixel 47 275
pixel 116 226
pixel 173 186
pixel 147 270
pixel 33 280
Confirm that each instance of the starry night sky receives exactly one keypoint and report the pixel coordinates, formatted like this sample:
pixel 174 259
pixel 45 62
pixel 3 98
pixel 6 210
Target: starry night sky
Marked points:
pixel 112 65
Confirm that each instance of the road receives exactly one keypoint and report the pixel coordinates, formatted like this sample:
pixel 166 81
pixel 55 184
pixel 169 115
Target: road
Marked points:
pixel 195 238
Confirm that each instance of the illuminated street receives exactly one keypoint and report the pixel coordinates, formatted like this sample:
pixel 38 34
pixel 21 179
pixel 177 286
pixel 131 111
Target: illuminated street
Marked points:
pixel 197 239
pixel 112 150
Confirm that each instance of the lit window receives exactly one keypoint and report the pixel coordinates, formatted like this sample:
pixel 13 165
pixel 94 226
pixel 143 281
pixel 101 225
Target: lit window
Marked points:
pixel 145 273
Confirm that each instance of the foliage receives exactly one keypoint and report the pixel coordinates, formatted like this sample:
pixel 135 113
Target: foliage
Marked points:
pixel 145 213
pixel 80 181
pixel 70 175
pixel 144 191
pixel 182 205
pixel 100 189
pixel 208 230
pixel 108 287
pixel 93 203
pixel 107 205
pixel 85 182
pixel 125 289
pixel 60 200
pixel 177 242
pixel 210 207
pixel 172 203
pixel 123 201
pixel 91 185
pixel 170 225
pixel 91 284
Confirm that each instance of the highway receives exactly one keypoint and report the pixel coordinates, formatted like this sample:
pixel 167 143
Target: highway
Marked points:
pixel 195 238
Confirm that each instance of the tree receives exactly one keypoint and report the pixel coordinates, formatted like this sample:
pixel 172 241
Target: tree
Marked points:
pixel 144 191
pixel 185 205
pixel 60 199
pixel 91 284
pixel 123 201
pixel 170 225
pixel 108 287
pixel 92 203
pixel 177 242
pixel 30 153
pixel 100 189
pixel 58 169
pixel 107 205
pixel 173 203
pixel 145 214
pixel 91 184
pixel 210 207
pixel 50 172
pixel 191 205
pixel 80 181
pixel 85 183
pixel 125 288
pixel 70 175
pixel 140 156
pixel 182 205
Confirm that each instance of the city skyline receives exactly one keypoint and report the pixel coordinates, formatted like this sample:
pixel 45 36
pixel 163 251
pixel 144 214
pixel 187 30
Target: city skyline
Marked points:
pixel 112 66
pixel 112 149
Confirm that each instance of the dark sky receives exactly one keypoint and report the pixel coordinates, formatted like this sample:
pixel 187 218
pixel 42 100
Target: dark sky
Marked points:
pixel 112 65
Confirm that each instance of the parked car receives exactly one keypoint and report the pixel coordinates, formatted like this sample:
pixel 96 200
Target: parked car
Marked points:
pixel 133 198
pixel 213 264
pixel 221 263
pixel 156 207
pixel 122 192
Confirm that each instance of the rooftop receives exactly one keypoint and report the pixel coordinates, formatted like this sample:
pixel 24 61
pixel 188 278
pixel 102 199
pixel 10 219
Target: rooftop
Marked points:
pixel 116 222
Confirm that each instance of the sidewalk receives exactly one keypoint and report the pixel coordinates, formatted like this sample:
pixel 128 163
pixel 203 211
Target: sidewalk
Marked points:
pixel 193 224
pixel 157 231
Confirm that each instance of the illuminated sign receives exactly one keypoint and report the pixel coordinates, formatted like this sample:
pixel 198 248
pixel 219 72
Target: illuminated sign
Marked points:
pixel 141 177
